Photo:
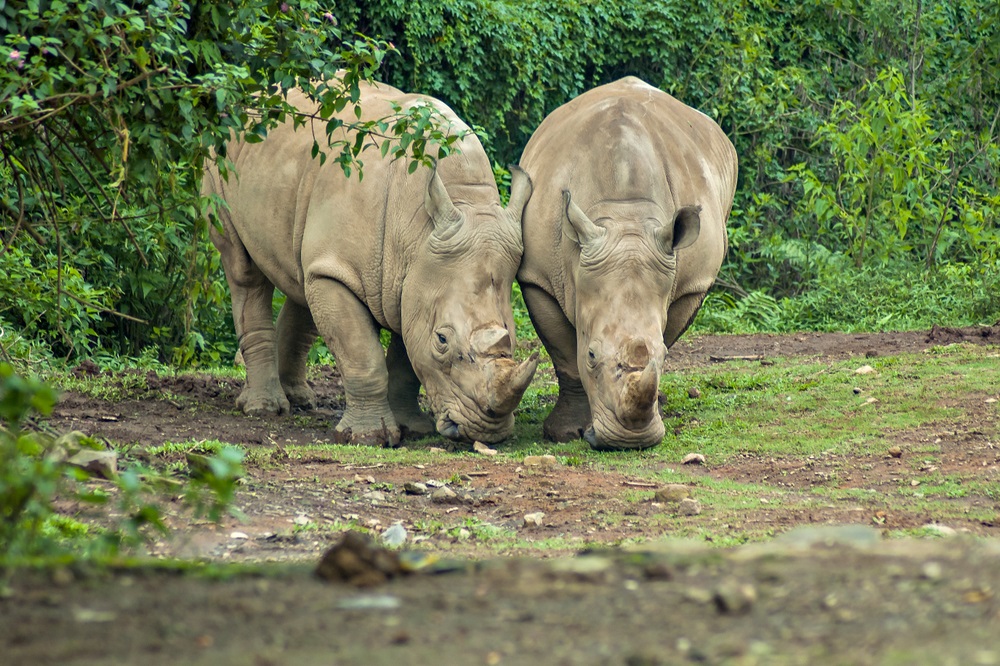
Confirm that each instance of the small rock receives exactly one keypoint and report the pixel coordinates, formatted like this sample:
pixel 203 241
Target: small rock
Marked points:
pixel 444 495
pixel 533 519
pixel 239 535
pixel 356 560
pixel 733 597
pixel 694 393
pixel 693 459
pixel 301 519
pixel 547 460
pixel 376 602
pixel 990 401
pixel 394 536
pixel 940 530
pixel 856 390
pixel 864 370
pixel 672 493
pixel 436 449
pixel 99 463
pixel 434 483
pixel 896 452
pixel 479 447
pixel 931 570
pixel 690 507
pixel 698 595
pixel 374 496
pixel 415 488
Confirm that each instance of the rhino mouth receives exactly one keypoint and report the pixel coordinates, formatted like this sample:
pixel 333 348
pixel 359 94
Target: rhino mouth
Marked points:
pixel 603 435
pixel 482 428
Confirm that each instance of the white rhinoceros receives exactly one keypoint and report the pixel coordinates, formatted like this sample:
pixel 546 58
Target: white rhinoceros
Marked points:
pixel 623 236
pixel 429 256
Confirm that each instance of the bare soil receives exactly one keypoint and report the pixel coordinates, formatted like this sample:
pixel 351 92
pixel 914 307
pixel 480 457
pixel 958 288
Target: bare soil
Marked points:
pixel 827 600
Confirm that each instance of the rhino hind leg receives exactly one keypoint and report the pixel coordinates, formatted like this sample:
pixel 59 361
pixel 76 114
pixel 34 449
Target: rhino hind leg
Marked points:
pixel 352 334
pixel 296 334
pixel 251 294
pixel 571 416
pixel 403 390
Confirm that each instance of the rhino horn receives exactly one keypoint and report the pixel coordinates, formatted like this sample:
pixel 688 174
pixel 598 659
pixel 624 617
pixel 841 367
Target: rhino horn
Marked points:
pixel 683 232
pixel 510 382
pixel 493 341
pixel 580 227
pixel 636 353
pixel 446 217
pixel 638 395
pixel 520 190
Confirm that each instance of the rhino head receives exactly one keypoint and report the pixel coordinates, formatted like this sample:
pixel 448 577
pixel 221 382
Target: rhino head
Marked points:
pixel 624 282
pixel 458 323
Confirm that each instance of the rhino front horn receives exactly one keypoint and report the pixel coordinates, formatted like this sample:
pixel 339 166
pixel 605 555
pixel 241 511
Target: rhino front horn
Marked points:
pixel 510 383
pixel 638 396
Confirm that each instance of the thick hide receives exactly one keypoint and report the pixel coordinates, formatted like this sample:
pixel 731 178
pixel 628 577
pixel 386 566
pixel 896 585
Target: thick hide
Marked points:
pixel 623 236
pixel 429 256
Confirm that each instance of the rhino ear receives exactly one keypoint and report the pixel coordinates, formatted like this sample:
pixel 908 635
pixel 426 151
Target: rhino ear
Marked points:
pixel 683 232
pixel 446 217
pixel 580 227
pixel 520 190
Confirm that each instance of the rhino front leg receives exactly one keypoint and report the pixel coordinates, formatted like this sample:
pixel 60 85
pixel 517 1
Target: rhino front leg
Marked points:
pixel 251 294
pixel 571 416
pixel 403 390
pixel 296 334
pixel 352 334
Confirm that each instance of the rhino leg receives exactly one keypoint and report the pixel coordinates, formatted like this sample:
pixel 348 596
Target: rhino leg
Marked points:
pixel 403 389
pixel 352 334
pixel 296 334
pixel 571 416
pixel 251 293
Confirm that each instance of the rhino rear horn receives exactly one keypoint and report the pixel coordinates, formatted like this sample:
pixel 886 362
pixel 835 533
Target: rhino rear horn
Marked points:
pixel 683 232
pixel 446 217
pixel 580 227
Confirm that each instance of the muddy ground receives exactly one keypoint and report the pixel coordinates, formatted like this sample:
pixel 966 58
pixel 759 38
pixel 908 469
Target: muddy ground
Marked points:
pixel 807 597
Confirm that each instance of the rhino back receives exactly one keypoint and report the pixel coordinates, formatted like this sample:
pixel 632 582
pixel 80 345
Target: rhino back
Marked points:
pixel 301 220
pixel 625 141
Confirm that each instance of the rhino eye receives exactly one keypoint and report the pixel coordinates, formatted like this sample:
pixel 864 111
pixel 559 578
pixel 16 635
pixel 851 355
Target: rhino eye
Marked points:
pixel 441 339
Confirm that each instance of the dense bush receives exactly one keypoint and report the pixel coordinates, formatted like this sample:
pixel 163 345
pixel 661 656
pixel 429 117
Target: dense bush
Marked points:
pixel 867 132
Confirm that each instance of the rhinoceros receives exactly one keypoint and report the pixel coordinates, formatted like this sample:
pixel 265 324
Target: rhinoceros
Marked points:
pixel 429 256
pixel 623 236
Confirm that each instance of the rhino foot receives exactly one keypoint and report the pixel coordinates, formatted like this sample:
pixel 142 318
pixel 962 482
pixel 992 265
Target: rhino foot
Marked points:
pixel 258 402
pixel 415 426
pixel 385 435
pixel 567 421
pixel 300 396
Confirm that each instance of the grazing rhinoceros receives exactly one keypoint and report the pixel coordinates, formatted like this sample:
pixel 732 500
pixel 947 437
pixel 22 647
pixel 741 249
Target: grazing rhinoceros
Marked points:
pixel 623 236
pixel 429 256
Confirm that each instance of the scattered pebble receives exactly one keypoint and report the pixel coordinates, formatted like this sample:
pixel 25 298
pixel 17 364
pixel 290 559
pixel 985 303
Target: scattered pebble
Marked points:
pixel 415 488
pixel 99 463
pixel 698 595
pixel 690 507
pixel 479 447
pixel 694 393
pixel 856 390
pixel 356 560
pixel 672 493
pixel 301 519
pixel 394 536
pixel 733 597
pixel 434 483
pixel 436 449
pixel 547 460
pixel 374 496
pixel 940 530
pixel 444 495
pixel 896 452
pixel 931 570
pixel 369 602
pixel 864 370
pixel 533 519
pixel 693 459
pixel 239 535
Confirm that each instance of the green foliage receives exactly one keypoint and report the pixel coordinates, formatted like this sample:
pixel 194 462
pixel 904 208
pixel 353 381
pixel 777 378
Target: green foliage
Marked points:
pixel 109 111
pixel 34 473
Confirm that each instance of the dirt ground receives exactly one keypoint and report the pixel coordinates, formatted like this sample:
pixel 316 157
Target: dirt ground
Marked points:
pixel 827 596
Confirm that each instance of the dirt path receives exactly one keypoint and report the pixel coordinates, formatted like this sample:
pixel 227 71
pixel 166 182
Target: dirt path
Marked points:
pixel 805 600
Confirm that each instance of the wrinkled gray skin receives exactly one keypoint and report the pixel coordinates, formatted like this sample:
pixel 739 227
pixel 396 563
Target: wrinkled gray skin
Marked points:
pixel 429 256
pixel 623 236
